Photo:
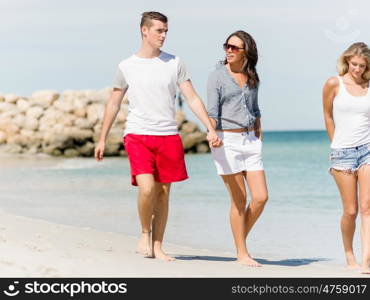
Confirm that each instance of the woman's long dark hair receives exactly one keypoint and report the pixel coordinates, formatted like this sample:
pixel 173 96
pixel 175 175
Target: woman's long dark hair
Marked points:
pixel 251 57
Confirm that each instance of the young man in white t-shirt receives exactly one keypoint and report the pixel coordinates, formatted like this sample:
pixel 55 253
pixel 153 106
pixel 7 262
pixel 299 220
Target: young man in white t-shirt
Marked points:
pixel 150 78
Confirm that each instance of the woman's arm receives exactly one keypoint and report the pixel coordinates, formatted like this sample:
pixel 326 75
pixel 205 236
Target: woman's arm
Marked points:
pixel 213 99
pixel 257 114
pixel 257 128
pixel 329 92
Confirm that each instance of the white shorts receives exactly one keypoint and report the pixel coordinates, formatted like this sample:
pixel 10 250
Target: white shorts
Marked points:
pixel 241 151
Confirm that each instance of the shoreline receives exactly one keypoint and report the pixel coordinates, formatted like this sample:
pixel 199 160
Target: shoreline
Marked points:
pixel 37 248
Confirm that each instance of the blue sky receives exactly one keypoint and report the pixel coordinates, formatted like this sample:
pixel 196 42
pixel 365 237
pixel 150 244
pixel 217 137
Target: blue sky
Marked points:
pixel 51 44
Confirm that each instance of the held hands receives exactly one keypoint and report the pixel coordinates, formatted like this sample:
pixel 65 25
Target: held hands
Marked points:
pixel 99 151
pixel 213 139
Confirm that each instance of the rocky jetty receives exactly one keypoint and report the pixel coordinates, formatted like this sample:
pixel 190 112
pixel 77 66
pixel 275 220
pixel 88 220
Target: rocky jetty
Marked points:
pixel 69 124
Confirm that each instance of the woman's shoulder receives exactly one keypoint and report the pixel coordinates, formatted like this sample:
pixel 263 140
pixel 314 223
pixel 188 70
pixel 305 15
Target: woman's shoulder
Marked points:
pixel 332 82
pixel 216 74
pixel 332 85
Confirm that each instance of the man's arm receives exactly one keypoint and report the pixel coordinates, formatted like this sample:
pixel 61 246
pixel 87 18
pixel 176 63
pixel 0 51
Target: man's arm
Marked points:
pixel 198 108
pixel 110 113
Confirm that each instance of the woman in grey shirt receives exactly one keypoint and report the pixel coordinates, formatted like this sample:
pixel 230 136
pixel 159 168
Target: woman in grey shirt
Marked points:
pixel 234 112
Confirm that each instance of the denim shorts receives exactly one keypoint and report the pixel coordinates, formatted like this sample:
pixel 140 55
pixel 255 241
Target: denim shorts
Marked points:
pixel 350 159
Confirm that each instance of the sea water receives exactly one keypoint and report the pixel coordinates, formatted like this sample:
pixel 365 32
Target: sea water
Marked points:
pixel 300 221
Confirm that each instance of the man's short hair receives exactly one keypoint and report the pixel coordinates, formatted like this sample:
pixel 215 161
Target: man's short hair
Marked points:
pixel 148 16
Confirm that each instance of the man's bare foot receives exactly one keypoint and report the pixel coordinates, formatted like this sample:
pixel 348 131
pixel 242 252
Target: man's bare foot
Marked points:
pixel 365 270
pixel 158 253
pixel 248 261
pixel 351 262
pixel 144 245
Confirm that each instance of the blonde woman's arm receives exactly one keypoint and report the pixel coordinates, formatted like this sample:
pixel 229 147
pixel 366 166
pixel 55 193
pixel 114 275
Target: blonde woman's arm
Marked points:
pixel 329 92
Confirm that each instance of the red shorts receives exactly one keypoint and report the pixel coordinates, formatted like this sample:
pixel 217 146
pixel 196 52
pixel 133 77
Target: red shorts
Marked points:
pixel 160 155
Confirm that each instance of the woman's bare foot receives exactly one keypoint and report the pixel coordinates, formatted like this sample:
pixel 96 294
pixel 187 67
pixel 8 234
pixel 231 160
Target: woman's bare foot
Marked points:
pixel 248 261
pixel 144 245
pixel 365 266
pixel 158 253
pixel 353 266
pixel 351 262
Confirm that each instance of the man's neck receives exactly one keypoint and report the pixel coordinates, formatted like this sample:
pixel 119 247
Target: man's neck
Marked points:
pixel 147 51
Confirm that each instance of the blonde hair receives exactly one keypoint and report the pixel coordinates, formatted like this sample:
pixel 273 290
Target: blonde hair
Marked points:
pixel 359 49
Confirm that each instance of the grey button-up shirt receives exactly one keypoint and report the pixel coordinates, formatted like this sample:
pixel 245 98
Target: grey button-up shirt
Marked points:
pixel 230 105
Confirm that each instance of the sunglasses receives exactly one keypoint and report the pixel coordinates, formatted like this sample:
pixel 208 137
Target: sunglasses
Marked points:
pixel 232 47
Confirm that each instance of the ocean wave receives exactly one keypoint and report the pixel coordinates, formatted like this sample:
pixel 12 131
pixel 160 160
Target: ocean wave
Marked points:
pixel 77 163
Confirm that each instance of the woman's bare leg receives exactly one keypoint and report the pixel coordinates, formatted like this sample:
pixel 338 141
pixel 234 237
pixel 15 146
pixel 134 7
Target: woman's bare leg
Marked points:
pixel 364 197
pixel 347 185
pixel 258 189
pixel 236 186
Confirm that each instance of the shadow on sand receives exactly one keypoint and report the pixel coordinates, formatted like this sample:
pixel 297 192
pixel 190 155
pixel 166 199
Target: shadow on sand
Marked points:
pixel 294 262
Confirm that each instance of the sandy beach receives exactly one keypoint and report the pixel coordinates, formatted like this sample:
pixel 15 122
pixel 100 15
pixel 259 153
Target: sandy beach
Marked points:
pixel 35 248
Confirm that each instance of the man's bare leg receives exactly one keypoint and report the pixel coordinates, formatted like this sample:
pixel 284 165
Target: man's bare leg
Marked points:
pixel 160 219
pixel 146 200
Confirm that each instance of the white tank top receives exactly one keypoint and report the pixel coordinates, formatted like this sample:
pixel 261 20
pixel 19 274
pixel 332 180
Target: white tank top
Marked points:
pixel 351 116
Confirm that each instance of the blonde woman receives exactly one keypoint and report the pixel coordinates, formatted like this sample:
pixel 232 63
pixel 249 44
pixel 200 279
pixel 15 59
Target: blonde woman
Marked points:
pixel 346 101
pixel 234 112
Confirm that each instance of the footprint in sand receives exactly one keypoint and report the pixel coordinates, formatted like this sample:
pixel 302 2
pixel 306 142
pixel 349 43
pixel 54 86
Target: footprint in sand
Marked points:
pixel 48 271
pixel 82 245
pixel 34 248
pixel 7 263
pixel 109 249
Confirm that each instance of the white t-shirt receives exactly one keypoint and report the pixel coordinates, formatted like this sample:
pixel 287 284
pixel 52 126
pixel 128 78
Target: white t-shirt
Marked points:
pixel 351 118
pixel 152 85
